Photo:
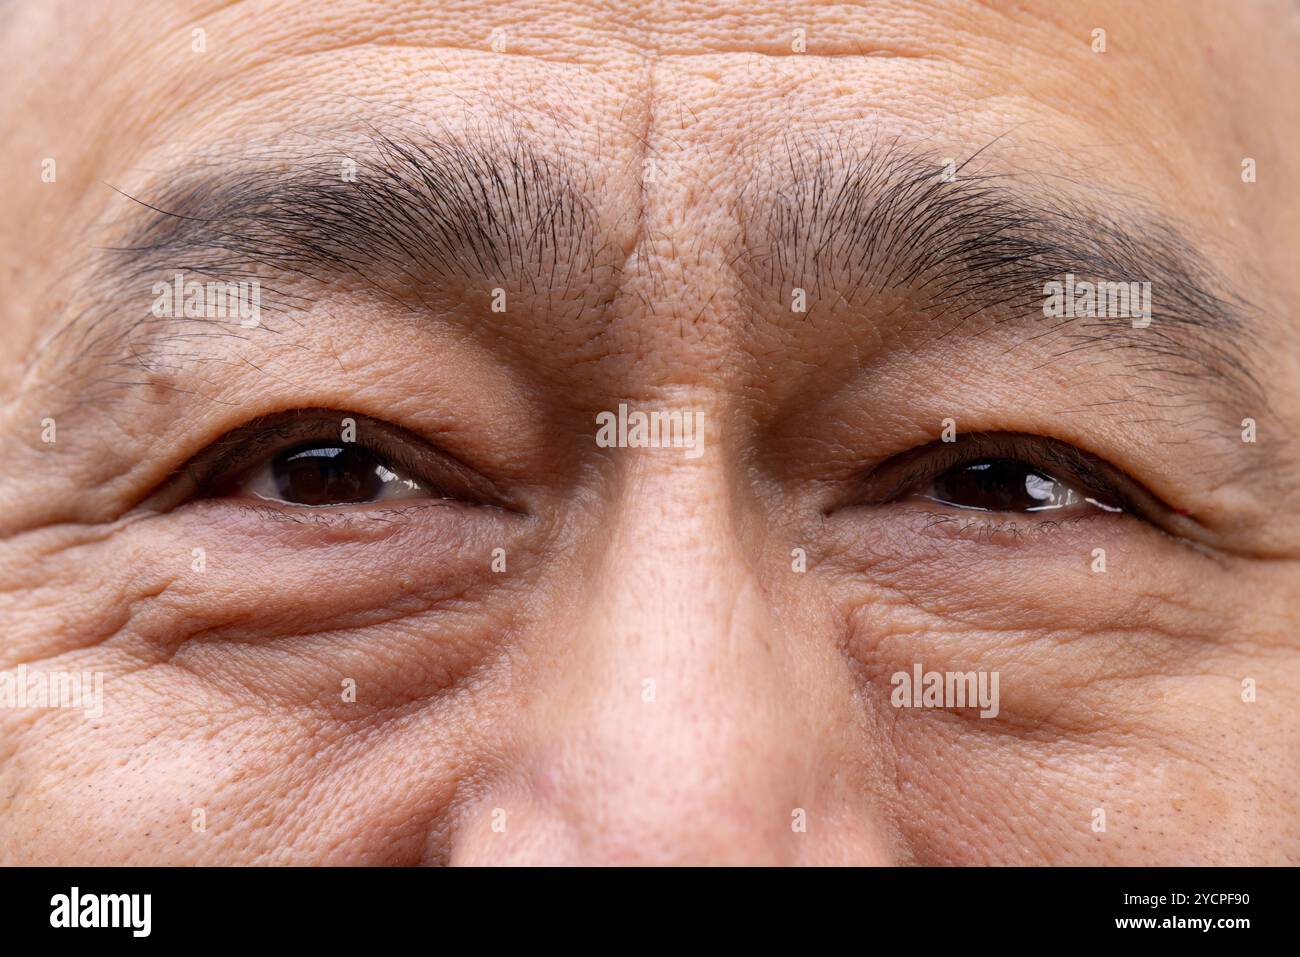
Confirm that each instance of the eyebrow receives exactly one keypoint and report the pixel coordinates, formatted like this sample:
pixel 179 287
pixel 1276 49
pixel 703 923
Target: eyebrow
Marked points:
pixel 398 213
pixel 489 207
pixel 424 214
pixel 973 245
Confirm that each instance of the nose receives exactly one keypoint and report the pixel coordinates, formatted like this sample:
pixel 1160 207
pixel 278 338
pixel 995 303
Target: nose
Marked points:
pixel 677 717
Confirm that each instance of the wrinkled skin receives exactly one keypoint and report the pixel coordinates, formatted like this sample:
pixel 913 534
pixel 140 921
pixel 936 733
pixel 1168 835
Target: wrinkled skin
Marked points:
pixel 649 679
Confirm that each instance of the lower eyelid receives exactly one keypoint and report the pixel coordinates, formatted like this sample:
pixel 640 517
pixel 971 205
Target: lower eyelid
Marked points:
pixel 1018 529
pixel 1085 505
pixel 1103 506
pixel 362 518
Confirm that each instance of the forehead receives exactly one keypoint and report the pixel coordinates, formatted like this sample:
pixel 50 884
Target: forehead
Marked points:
pixel 672 112
pixel 1146 85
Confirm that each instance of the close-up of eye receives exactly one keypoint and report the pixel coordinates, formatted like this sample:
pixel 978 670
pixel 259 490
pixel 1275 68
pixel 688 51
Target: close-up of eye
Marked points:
pixel 319 458
pixel 317 474
pixel 1010 474
pixel 1006 485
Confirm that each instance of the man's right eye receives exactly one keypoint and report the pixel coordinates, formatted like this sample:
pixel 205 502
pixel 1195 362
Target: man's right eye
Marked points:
pixel 320 458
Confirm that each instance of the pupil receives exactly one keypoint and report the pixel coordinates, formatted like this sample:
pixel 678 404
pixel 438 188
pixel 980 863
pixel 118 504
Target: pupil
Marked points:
pixel 998 485
pixel 327 475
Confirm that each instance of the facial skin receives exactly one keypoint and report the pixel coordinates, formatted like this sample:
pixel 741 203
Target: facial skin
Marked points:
pixel 654 676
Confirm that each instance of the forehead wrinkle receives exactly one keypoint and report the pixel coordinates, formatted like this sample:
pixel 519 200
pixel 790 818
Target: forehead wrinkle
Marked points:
pixel 852 225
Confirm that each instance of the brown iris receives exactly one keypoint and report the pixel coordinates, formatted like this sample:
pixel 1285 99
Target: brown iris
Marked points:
pixel 1001 485
pixel 327 475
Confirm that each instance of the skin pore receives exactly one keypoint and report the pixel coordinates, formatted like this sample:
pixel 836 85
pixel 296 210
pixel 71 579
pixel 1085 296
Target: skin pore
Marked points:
pixel 475 228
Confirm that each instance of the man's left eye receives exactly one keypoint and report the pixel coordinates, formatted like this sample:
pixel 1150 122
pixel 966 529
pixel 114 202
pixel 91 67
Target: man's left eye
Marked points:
pixel 1005 485
pixel 1010 473
pixel 323 474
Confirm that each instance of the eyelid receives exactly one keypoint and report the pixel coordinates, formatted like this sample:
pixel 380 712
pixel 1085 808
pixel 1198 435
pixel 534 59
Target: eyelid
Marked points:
pixel 894 477
pixel 246 446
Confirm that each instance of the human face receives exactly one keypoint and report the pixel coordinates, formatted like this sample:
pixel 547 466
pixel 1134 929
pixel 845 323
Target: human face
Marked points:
pixel 373 568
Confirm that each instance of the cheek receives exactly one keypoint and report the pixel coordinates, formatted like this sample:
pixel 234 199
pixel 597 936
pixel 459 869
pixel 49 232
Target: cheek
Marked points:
pixel 320 611
pixel 306 688
pixel 177 777
pixel 132 787
pixel 1117 696
pixel 1066 636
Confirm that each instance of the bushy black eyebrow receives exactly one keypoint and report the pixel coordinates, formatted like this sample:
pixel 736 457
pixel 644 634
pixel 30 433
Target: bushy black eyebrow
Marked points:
pixel 399 212
pixel 431 212
pixel 492 207
pixel 967 242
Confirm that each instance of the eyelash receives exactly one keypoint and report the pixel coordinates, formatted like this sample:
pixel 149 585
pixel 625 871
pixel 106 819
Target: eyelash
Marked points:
pixel 994 531
pixel 895 479
pixel 213 471
pixel 892 482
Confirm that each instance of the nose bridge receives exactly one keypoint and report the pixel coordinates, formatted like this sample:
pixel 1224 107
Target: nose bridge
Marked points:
pixel 672 716
pixel 681 728
pixel 676 589
pixel 678 615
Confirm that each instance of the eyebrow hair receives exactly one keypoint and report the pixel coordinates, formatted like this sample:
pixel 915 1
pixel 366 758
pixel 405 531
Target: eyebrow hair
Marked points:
pixel 970 242
pixel 429 213
pixel 490 207
pixel 396 213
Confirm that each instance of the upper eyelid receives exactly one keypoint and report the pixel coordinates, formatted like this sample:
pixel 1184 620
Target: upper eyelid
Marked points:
pixel 232 448
pixel 257 437
pixel 241 446
pixel 245 445
pixel 1060 460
